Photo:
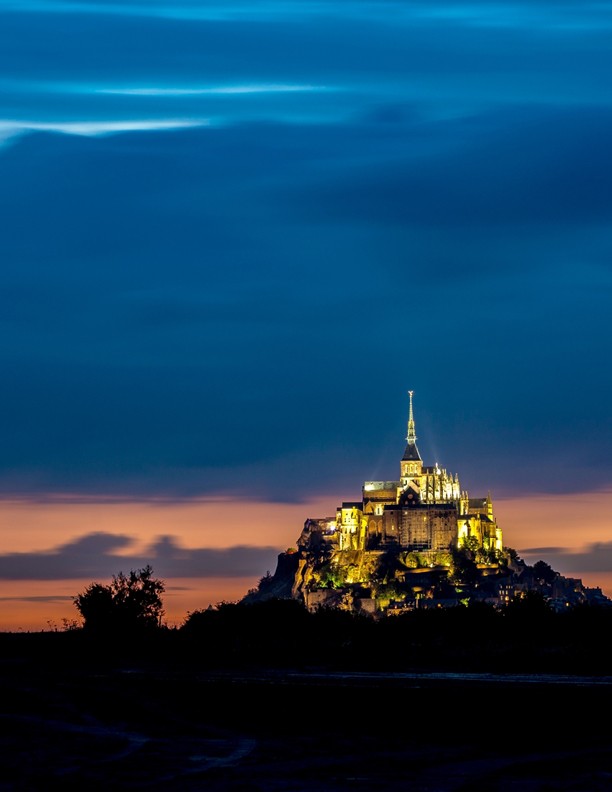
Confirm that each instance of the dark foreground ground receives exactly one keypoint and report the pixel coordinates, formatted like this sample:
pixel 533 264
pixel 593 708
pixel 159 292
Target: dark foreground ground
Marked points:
pixel 72 724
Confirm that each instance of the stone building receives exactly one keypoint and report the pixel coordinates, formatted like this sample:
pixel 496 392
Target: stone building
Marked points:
pixel 395 551
pixel 425 510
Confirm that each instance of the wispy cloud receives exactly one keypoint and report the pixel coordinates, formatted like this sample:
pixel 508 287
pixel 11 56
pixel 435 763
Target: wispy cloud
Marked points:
pixel 596 557
pixel 9 128
pixel 516 14
pixel 223 90
pixel 12 129
pixel 51 598
pixel 188 9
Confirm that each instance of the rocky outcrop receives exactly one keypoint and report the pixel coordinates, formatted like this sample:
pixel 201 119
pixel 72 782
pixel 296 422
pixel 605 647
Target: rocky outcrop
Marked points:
pixel 385 582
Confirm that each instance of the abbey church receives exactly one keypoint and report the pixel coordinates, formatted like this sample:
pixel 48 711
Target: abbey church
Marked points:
pixel 424 510
pixel 417 541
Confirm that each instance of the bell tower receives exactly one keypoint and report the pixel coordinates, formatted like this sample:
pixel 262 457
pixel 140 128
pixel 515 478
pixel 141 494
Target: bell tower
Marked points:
pixel 411 465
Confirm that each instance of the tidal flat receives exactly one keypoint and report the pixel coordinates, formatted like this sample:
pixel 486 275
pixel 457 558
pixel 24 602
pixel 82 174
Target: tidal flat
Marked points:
pixel 130 721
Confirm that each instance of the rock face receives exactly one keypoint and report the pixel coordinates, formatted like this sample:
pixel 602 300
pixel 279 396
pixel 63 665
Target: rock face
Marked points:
pixel 391 581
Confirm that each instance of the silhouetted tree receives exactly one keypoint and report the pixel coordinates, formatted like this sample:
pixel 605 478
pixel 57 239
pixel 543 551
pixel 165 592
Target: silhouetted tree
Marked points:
pixel 463 569
pixel 544 572
pixel 130 602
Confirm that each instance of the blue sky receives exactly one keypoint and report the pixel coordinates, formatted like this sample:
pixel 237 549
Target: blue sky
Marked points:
pixel 235 234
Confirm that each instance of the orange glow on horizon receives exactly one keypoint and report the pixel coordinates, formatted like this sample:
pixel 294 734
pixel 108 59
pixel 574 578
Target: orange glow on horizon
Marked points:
pixel 569 521
pixel 33 526
pixel 572 521
pixel 35 605
pixel 43 527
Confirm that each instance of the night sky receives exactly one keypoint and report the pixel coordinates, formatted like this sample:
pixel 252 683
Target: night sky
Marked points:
pixel 235 234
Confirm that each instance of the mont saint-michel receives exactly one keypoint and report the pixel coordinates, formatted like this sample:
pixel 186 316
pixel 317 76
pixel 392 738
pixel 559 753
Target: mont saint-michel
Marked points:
pixel 407 600
pixel 416 541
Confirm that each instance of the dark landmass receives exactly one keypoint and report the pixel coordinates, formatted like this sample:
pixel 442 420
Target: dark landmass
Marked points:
pixel 270 697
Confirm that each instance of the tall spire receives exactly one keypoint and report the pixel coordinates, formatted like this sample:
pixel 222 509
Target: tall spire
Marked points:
pixel 412 452
pixel 411 437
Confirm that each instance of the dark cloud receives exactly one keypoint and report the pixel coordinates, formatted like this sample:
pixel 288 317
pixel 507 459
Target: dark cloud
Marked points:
pixel 596 557
pixel 542 551
pixel 84 556
pixel 528 169
pixel 51 598
pixel 96 556
pixel 240 308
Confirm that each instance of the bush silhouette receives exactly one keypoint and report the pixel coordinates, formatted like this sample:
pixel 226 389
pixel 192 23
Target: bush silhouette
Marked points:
pixel 131 602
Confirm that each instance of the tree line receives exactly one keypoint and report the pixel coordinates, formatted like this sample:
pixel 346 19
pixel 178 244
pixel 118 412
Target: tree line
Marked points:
pixel 526 635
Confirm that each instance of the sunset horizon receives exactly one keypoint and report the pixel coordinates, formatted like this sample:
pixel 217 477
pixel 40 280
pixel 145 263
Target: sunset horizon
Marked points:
pixel 132 535
pixel 236 236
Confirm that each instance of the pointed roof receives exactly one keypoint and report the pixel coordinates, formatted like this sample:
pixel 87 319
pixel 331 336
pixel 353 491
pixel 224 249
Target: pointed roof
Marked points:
pixel 411 454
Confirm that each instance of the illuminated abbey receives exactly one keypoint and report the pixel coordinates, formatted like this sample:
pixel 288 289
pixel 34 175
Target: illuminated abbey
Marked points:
pixel 418 541
pixel 425 510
